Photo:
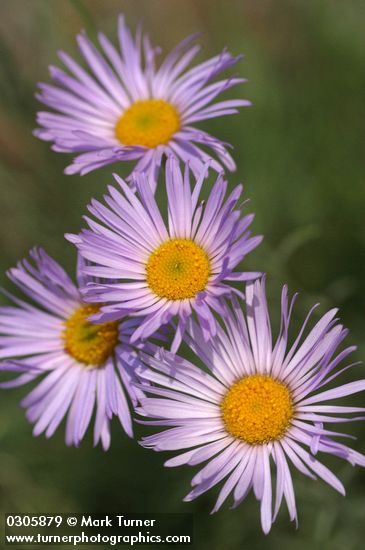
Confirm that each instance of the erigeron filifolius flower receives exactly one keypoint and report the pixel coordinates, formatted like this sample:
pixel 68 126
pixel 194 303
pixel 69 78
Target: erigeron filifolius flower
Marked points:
pixel 158 270
pixel 83 367
pixel 124 108
pixel 260 406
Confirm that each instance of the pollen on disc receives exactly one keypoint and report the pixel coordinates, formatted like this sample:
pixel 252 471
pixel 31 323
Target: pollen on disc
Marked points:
pixel 178 269
pixel 257 409
pixel 87 342
pixel 148 123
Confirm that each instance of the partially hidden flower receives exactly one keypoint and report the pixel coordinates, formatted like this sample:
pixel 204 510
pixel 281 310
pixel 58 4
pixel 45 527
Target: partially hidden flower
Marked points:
pixel 83 367
pixel 123 108
pixel 157 270
pixel 260 406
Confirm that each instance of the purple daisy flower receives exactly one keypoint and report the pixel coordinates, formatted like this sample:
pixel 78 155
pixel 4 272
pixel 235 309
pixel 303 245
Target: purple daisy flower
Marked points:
pixel 261 404
pixel 159 271
pixel 127 109
pixel 83 366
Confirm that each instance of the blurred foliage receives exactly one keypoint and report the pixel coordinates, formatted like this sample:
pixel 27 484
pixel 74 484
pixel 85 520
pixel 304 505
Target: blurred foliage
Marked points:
pixel 300 153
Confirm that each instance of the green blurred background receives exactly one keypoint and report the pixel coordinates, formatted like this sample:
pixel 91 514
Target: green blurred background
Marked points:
pixel 300 152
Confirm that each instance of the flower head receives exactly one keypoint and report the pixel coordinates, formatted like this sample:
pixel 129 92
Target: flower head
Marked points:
pixel 82 365
pixel 158 270
pixel 125 108
pixel 261 404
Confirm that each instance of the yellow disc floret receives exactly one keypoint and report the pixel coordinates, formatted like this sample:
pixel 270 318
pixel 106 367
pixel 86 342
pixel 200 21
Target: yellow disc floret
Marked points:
pixel 178 269
pixel 149 123
pixel 87 342
pixel 257 409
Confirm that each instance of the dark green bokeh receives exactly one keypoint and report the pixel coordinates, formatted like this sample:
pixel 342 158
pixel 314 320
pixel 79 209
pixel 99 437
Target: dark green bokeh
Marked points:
pixel 300 153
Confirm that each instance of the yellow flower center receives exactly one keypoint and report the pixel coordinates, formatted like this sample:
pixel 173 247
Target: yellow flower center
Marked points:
pixel 178 269
pixel 87 342
pixel 149 123
pixel 257 409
